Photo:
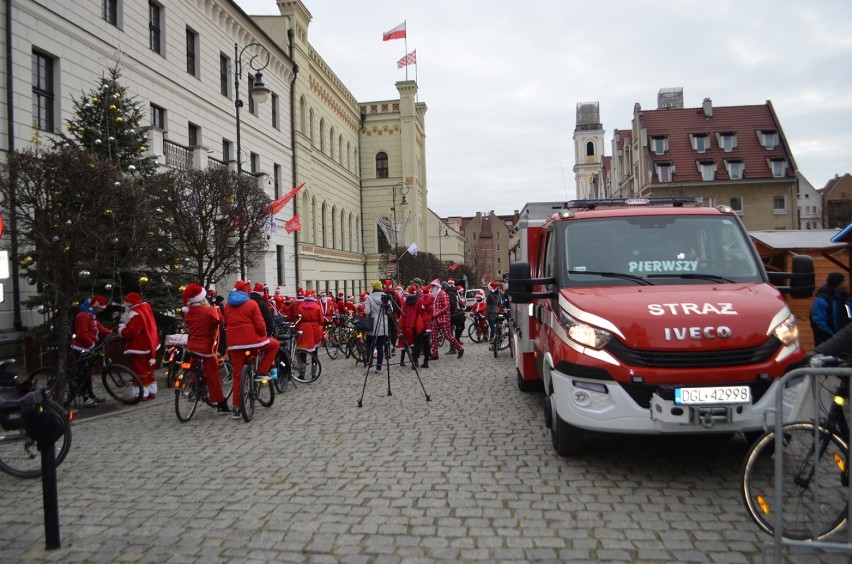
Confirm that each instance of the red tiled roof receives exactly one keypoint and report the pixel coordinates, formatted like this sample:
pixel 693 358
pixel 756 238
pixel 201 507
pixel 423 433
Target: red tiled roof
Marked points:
pixel 744 121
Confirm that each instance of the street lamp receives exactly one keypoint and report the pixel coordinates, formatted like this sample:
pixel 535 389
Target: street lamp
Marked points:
pixel 259 93
pixel 403 190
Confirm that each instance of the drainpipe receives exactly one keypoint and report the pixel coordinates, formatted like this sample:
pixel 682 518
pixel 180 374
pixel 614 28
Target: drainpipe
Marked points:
pixel 13 192
pixel 293 148
pixel 361 194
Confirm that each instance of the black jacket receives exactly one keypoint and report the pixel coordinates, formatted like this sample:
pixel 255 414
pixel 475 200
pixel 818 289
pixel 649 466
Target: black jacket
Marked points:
pixel 265 311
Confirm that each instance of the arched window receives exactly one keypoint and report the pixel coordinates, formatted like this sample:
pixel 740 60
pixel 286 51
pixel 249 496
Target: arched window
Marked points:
pixel 350 233
pixel 322 224
pixel 331 143
pixel 382 243
pixel 590 149
pixel 322 135
pixel 342 230
pixel 340 149
pixel 334 227
pixel 382 165
pixel 357 234
pixel 311 125
pixel 303 115
pixel 313 220
pixel 348 156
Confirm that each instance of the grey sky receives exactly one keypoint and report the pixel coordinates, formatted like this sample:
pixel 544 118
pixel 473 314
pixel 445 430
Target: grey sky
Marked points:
pixel 502 79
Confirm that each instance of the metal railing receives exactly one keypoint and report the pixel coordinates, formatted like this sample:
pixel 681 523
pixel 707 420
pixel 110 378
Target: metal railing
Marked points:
pixel 176 155
pixel 216 163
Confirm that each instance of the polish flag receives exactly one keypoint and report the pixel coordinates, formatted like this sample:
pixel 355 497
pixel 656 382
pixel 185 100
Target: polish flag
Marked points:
pixel 293 224
pixel 410 59
pixel 396 33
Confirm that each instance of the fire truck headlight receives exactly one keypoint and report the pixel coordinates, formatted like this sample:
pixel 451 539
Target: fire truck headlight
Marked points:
pixel 786 331
pixel 584 334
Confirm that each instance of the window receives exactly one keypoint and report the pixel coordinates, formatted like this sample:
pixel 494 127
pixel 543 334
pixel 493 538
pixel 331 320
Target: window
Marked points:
pixel 274 104
pixel 276 180
pixel 155 13
pixel 737 204
pixel 194 135
pixel 664 172
pixel 226 150
pixel 191 52
pixel 707 170
pixel 659 144
pixel 252 105
pixel 322 225
pixel 158 117
pixel 769 139
pixel 311 124
pixel 700 142
pixel 254 159
pixel 498 260
pixel 498 247
pixel 224 65
pixel 279 268
pixel 303 115
pixel 735 169
pixel 779 204
pixel 382 165
pixel 727 141
pixel 322 136
pixel 382 240
pixel 110 11
pixel 43 92
pixel 778 167
pixel 340 149
pixel 590 149
pixel 331 143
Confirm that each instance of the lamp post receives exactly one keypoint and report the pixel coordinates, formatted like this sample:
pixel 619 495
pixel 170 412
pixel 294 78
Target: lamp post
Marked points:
pixel 403 190
pixel 259 93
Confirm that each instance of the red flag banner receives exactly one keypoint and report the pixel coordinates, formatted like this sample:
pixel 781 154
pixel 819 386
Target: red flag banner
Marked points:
pixel 293 224
pixel 396 33
pixel 410 59
pixel 279 204
pixel 454 266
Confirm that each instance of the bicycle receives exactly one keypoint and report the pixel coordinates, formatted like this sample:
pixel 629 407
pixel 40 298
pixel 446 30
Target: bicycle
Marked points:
pixel 290 363
pixel 501 335
pixel 119 381
pixel 252 387
pixel 478 330
pixel 19 454
pixel 353 342
pixel 816 471
pixel 174 354
pixel 191 387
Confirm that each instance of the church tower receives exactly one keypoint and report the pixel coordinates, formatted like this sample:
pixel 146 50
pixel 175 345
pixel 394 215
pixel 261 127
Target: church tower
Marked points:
pixel 588 151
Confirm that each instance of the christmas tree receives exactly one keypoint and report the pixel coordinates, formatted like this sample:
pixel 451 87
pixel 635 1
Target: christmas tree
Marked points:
pixel 108 123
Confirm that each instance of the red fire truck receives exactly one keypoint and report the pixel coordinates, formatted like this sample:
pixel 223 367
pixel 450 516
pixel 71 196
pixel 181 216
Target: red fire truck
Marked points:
pixel 650 315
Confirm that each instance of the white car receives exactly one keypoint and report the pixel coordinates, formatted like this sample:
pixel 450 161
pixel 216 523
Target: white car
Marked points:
pixel 470 297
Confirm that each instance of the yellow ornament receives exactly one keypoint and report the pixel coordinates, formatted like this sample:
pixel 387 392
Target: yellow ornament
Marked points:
pixel 75 303
pixel 143 148
pixel 107 213
pixel 69 127
pixel 143 280
pixel 112 106
pixel 80 129
pixel 94 100
pixel 119 119
pixel 116 95
pixel 181 289
pixel 178 311
pixel 27 260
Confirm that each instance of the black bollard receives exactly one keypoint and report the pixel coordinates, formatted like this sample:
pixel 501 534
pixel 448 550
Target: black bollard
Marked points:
pixel 50 495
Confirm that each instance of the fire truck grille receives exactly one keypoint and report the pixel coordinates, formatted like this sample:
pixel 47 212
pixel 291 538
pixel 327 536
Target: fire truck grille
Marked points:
pixel 693 359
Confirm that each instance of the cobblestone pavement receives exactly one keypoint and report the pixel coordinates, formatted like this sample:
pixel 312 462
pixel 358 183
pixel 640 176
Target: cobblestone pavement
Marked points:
pixel 468 476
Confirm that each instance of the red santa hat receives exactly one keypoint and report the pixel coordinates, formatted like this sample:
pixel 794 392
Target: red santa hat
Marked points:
pixel 192 294
pixel 412 289
pixel 258 288
pixel 350 298
pixel 340 295
pixel 242 286
pixel 133 299
pixel 98 301
pixel 492 286
pixel 277 291
pixel 300 293
pixel 310 295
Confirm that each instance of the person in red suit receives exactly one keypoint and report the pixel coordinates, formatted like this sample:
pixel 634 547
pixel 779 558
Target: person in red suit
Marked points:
pixel 139 328
pixel 412 324
pixel 87 331
pixel 246 330
pixel 441 320
pixel 203 321
pixel 477 310
pixel 278 300
pixel 312 326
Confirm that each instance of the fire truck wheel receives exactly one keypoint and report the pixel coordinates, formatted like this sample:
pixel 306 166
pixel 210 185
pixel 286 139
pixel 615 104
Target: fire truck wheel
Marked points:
pixel 567 439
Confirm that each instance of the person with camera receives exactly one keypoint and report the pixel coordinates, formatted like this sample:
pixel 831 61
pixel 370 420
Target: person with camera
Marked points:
pixel 377 306
pixel 441 321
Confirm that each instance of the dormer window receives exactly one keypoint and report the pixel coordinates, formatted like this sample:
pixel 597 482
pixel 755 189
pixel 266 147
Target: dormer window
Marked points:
pixel 700 142
pixel 707 170
pixel 659 144
pixel 769 139
pixel 727 141
pixel 778 167
pixel 664 171
pixel 735 169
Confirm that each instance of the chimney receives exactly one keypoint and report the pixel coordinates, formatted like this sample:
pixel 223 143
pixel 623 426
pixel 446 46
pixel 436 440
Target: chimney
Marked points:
pixel 707 106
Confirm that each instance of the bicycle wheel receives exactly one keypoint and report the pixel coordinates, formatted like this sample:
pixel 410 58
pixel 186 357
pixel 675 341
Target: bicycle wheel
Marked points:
pixel 331 347
pixel 475 334
pixel 247 395
pixel 497 345
pixel 187 394
pixel 122 384
pixel 265 392
pixel 226 374
pixel 46 377
pixel 308 371
pixel 804 516
pixel 19 454
pixel 284 365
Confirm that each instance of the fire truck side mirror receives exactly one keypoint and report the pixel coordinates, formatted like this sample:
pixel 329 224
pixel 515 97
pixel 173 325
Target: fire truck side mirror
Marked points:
pixel 519 287
pixel 801 279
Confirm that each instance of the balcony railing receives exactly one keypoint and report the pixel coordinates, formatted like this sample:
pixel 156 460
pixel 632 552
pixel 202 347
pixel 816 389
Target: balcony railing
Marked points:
pixel 177 156
pixel 211 162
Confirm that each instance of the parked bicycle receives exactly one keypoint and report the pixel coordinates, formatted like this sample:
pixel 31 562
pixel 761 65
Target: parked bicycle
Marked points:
pixel 478 329
pixel 19 454
pixel 253 388
pixel 501 335
pixel 118 380
pixel 191 387
pixel 816 470
pixel 175 353
pixel 300 365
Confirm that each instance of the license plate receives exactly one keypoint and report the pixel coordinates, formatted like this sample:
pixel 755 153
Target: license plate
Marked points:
pixel 713 396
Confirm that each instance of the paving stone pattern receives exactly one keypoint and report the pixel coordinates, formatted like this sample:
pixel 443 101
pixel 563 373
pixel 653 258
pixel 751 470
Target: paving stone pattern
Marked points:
pixel 468 476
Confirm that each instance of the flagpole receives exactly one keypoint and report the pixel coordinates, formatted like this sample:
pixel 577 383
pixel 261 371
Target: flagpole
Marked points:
pixel 405 23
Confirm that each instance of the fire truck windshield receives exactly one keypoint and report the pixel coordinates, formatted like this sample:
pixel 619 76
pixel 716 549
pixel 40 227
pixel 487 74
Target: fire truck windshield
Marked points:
pixel 670 249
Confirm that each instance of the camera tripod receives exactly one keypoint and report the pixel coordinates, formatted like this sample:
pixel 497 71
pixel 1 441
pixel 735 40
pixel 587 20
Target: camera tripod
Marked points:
pixel 387 313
